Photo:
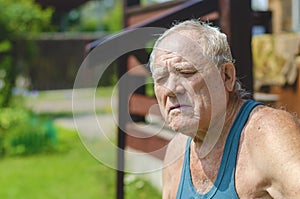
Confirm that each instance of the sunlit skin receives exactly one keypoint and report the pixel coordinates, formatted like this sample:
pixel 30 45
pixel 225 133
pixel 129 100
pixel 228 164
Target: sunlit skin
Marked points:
pixel 177 84
pixel 268 162
pixel 182 89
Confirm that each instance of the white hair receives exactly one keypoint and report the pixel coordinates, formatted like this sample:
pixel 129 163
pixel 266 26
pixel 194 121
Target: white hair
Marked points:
pixel 213 42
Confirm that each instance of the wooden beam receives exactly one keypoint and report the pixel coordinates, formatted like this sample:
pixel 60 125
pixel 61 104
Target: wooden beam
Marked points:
pixel 138 108
pixel 151 139
pixel 131 3
pixel 224 13
pixel 189 9
pixel 236 23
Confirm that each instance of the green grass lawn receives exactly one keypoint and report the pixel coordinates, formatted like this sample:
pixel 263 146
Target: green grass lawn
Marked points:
pixel 70 173
pixel 85 93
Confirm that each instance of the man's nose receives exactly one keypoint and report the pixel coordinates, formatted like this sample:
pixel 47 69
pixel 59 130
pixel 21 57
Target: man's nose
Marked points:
pixel 174 85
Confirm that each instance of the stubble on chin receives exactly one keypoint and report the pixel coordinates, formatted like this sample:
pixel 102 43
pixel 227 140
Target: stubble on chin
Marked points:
pixel 174 121
pixel 185 124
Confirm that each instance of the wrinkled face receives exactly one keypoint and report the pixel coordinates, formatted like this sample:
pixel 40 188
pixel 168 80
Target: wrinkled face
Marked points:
pixel 183 87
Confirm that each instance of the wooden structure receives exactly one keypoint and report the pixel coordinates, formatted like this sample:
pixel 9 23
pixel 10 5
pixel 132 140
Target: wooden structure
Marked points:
pixel 234 17
pixel 61 6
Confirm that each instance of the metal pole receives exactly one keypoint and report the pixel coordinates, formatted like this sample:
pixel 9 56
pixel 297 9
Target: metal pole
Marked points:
pixel 122 68
pixel 123 109
pixel 123 118
pixel 121 161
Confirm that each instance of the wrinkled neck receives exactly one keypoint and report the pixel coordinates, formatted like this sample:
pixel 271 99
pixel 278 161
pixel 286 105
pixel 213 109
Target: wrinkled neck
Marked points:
pixel 215 137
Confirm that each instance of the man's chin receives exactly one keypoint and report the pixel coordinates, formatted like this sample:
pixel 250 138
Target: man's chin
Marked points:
pixel 187 130
pixel 175 128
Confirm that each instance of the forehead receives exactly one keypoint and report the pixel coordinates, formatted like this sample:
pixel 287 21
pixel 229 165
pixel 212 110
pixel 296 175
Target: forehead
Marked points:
pixel 168 62
pixel 178 45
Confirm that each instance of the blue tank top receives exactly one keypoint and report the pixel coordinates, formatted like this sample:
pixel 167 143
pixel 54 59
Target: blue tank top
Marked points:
pixel 224 186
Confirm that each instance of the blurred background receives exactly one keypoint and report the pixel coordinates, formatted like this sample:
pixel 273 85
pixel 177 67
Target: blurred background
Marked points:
pixel 43 44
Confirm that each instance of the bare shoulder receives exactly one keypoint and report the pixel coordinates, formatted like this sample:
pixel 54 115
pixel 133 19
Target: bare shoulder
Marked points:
pixel 172 165
pixel 273 129
pixel 273 140
pixel 273 123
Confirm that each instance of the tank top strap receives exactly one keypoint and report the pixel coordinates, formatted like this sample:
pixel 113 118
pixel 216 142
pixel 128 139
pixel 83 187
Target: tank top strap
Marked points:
pixel 224 186
pixel 226 176
pixel 185 169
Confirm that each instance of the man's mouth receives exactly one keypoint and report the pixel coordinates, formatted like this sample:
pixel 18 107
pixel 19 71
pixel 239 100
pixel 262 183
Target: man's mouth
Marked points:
pixel 178 107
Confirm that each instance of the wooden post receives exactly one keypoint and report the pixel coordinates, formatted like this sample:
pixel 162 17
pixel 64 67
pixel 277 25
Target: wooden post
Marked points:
pixel 123 110
pixel 122 117
pixel 121 139
pixel 240 40
pixel 236 22
pixel 224 13
pixel 133 3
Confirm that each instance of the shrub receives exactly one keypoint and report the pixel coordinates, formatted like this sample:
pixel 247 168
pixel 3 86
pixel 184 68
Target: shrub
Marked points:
pixel 22 133
pixel 17 18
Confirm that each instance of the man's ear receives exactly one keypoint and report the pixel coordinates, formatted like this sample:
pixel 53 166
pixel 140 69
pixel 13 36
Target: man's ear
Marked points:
pixel 228 76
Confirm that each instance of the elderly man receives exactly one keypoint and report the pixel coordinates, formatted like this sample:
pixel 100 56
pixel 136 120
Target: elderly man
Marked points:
pixel 227 147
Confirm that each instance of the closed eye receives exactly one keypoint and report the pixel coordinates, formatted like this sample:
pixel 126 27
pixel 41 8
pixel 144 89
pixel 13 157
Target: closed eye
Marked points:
pixel 185 70
pixel 187 73
pixel 160 79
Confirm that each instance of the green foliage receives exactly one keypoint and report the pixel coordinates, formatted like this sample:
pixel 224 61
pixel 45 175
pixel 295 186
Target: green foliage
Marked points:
pixel 23 16
pixel 104 15
pixel 17 18
pixel 5 46
pixel 149 87
pixel 10 117
pixel 112 21
pixel 21 133
pixel 90 25
pixel 7 77
pixel 90 16
pixel 109 77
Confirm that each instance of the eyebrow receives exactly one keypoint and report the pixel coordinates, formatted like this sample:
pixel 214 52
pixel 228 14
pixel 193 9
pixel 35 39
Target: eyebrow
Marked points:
pixel 183 66
pixel 159 71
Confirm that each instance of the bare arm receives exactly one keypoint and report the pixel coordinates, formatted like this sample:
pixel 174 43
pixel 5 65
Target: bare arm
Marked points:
pixel 278 153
